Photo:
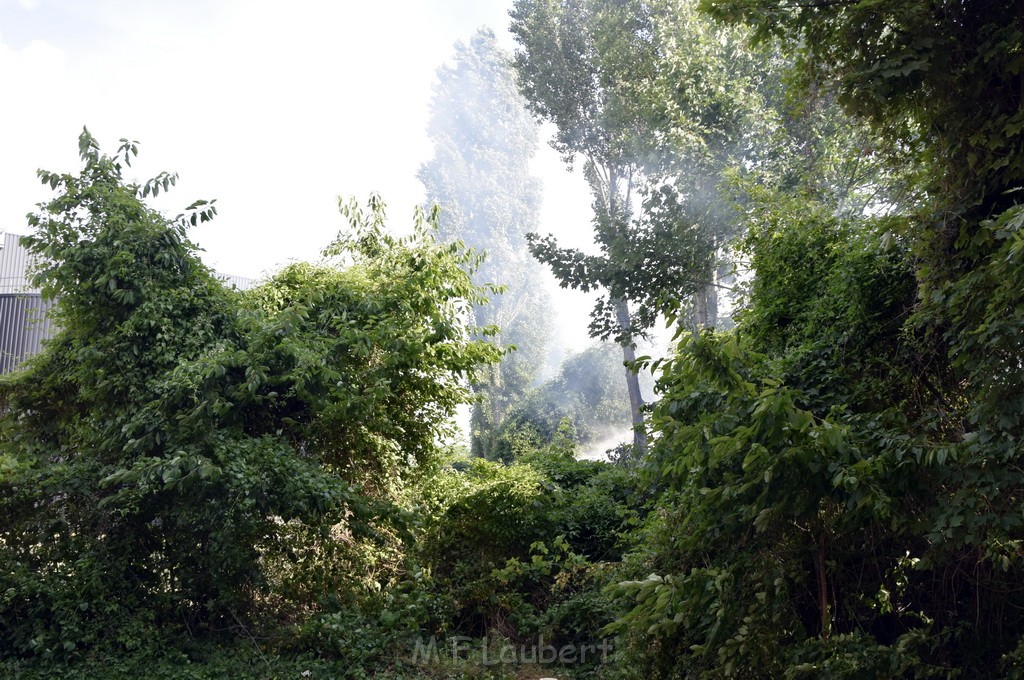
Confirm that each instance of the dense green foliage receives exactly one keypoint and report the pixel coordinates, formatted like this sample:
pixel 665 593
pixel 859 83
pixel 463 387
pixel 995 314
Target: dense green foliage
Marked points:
pixel 845 464
pixel 183 457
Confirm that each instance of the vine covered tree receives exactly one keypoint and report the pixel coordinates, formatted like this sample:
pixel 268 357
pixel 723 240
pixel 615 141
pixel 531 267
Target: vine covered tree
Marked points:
pixel 177 445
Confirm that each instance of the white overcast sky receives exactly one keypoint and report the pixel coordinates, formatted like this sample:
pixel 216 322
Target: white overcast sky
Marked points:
pixel 273 108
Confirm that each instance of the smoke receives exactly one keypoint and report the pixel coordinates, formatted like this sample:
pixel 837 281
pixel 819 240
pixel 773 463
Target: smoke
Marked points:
pixel 566 212
pixel 599 449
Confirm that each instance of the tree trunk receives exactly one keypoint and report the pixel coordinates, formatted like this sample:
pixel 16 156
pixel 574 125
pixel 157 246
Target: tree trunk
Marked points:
pixel 632 379
pixel 822 578
pixel 705 304
pixel 487 414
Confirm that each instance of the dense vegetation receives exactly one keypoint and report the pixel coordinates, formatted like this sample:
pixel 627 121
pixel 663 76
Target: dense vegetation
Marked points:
pixel 201 482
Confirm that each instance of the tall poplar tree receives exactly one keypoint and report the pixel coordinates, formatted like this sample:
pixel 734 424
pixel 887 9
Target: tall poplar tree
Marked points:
pixel 484 139
pixel 653 100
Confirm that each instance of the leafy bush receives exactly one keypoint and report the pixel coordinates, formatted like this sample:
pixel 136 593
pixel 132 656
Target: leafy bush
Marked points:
pixel 522 552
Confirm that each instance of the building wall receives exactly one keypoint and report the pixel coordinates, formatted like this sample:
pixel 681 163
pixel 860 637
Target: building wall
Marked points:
pixel 23 321
pixel 23 327
pixel 14 265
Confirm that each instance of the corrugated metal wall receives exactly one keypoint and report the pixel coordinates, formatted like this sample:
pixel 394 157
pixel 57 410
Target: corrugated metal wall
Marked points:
pixel 14 265
pixel 23 327
pixel 239 282
pixel 23 322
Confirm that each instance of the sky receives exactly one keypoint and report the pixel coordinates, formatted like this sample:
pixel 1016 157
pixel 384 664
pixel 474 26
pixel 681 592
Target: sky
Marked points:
pixel 274 109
